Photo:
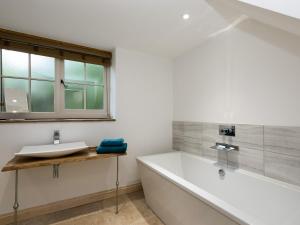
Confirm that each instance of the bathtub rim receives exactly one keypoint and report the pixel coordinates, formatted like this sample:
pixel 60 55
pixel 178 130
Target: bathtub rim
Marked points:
pixel 221 206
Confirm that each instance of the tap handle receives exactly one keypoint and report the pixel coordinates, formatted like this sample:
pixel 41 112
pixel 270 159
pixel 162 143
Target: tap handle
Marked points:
pixel 56 137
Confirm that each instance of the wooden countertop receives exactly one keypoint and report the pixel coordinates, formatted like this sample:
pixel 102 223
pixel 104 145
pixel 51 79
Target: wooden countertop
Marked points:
pixel 18 163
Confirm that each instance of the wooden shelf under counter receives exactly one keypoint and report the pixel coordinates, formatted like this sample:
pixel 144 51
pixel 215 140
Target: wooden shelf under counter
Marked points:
pixel 18 163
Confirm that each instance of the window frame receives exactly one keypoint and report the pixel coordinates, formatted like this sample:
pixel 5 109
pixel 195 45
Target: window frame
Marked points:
pixel 59 96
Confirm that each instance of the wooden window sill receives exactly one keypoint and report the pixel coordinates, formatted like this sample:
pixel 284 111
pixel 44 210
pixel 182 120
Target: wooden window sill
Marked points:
pixel 56 120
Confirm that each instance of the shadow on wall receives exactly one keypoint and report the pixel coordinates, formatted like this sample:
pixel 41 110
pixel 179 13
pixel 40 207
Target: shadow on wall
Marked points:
pixel 276 37
pixel 8 190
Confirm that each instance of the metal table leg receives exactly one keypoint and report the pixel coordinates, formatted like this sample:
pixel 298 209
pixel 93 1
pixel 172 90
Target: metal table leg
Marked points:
pixel 16 203
pixel 56 171
pixel 117 187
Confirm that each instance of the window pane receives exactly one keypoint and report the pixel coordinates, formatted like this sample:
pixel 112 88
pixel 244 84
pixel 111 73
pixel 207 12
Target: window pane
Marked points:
pixel 14 63
pixel 42 67
pixel 74 96
pixel 16 84
pixel 16 92
pixel 94 97
pixel 74 71
pixel 94 73
pixel 2 97
pixel 42 96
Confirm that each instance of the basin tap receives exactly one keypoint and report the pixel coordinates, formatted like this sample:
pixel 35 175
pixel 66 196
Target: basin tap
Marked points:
pixel 56 139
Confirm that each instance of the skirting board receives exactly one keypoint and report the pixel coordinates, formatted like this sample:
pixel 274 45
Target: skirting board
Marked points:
pixel 66 204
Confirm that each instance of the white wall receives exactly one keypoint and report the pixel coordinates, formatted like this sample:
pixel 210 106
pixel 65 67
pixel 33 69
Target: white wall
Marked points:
pixel 250 74
pixel 143 108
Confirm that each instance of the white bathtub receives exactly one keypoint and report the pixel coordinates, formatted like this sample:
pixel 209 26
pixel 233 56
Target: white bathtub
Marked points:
pixel 185 189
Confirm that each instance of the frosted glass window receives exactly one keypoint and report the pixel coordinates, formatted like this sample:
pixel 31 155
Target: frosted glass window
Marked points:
pixel 1 98
pixel 34 86
pixel 74 96
pixel 74 71
pixel 15 63
pixel 94 73
pixel 94 97
pixel 89 93
pixel 42 67
pixel 42 96
pixel 16 84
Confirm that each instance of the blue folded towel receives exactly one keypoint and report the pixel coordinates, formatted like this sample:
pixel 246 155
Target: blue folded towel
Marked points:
pixel 112 142
pixel 112 149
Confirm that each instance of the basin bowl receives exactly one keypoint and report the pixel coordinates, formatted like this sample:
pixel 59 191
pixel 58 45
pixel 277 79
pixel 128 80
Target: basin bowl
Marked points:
pixel 52 150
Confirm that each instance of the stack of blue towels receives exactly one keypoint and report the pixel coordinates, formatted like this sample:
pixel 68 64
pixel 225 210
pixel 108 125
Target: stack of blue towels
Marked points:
pixel 112 146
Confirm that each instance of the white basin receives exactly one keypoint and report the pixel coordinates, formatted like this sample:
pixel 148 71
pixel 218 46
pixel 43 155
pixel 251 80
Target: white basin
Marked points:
pixel 48 151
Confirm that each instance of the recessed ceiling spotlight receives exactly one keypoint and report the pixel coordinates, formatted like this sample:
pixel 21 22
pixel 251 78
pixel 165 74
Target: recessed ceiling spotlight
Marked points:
pixel 185 16
pixel 14 100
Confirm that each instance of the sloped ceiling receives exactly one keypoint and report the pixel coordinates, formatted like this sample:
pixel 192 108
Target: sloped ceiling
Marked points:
pixel 279 14
pixel 152 26
pixel 287 7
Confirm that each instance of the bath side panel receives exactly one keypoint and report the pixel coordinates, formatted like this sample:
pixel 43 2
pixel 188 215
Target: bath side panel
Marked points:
pixel 175 206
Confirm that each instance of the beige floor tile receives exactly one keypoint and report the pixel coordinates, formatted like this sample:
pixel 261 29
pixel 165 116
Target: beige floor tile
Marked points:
pixel 132 211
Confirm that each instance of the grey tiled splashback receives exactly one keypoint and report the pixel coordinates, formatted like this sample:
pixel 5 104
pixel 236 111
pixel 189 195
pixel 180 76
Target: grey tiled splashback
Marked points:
pixel 269 150
pixel 282 153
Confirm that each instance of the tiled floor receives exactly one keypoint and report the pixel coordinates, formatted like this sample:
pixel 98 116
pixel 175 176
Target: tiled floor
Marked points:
pixel 133 211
